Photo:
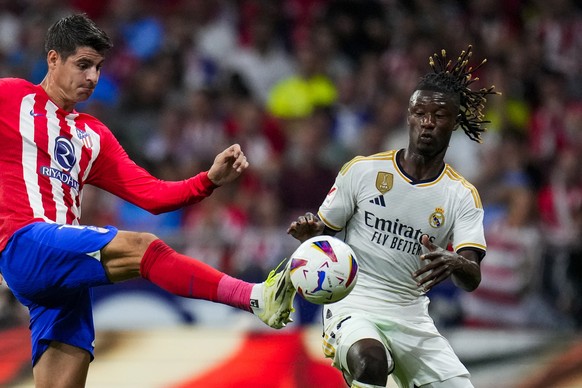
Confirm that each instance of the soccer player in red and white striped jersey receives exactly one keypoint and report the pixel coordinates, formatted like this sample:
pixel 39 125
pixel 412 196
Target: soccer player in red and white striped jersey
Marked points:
pixel 48 153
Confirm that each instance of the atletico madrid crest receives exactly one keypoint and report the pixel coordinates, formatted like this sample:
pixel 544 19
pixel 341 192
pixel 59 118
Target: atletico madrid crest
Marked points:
pixel 84 137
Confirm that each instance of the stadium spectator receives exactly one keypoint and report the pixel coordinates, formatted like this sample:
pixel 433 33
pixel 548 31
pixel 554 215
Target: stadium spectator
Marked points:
pixel 309 88
pixel 560 204
pixel 511 294
pixel 306 175
pixel 261 63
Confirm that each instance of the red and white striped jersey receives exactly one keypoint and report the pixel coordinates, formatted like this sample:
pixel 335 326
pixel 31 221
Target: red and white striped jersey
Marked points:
pixel 47 155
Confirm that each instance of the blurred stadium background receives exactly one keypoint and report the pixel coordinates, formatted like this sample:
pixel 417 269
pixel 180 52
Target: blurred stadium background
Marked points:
pixel 304 85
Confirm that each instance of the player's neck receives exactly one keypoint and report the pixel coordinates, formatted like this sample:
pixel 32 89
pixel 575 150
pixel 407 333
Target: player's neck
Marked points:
pixel 420 167
pixel 56 95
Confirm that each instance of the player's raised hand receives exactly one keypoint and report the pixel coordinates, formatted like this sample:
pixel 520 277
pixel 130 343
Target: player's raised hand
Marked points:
pixel 440 264
pixel 305 227
pixel 228 165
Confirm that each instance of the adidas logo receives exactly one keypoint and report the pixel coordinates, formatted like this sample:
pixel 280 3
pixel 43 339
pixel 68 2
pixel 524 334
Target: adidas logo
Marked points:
pixel 379 200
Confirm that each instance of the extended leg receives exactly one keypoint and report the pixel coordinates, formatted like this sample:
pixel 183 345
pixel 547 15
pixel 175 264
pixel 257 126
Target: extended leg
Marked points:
pixel 132 254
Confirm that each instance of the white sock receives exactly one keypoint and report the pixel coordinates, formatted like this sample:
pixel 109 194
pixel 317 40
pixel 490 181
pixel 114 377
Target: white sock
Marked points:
pixel 257 302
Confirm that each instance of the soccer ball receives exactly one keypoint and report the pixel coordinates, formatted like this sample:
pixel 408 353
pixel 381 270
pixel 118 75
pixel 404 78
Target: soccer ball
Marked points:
pixel 323 269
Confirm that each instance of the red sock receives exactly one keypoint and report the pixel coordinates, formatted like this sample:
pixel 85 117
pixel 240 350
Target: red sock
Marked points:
pixel 185 276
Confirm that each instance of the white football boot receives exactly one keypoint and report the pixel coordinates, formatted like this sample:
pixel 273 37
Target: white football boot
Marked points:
pixel 272 300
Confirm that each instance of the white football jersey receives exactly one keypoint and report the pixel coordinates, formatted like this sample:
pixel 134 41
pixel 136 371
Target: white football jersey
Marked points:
pixel 383 213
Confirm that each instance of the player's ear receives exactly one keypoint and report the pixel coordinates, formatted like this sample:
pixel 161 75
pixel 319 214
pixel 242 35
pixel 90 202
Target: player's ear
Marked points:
pixel 52 58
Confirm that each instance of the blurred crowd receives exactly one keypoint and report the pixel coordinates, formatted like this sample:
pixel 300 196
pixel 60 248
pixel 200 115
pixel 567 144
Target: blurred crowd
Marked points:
pixel 304 86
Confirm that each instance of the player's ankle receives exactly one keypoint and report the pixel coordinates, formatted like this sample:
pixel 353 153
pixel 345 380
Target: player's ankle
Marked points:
pixel 256 301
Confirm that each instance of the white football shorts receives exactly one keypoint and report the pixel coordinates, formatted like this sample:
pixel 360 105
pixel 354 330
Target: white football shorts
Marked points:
pixel 420 353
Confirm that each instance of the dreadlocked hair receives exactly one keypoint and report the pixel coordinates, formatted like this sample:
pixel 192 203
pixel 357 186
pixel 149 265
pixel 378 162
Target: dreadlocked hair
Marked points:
pixel 456 78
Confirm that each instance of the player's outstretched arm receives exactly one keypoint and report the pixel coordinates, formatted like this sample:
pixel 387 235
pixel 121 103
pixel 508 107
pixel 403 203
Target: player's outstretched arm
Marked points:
pixel 440 264
pixel 305 227
pixel 228 165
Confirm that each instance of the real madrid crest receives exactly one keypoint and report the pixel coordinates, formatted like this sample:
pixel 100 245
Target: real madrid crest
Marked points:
pixel 384 181
pixel 437 219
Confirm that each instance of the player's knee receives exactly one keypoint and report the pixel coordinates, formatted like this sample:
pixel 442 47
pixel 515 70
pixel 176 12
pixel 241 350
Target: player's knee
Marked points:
pixel 142 240
pixel 368 362
pixel 122 257
pixel 133 243
pixel 129 244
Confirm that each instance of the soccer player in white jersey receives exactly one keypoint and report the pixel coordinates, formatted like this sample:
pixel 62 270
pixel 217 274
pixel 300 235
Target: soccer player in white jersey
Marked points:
pixel 400 209
pixel 48 152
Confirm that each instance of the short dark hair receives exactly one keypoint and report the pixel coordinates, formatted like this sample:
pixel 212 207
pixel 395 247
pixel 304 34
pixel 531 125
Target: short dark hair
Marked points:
pixel 455 78
pixel 72 32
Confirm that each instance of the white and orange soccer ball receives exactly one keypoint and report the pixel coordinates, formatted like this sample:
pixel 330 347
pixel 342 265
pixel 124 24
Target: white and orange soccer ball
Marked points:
pixel 324 269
